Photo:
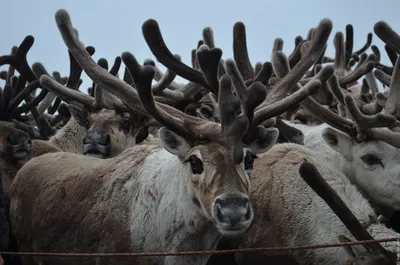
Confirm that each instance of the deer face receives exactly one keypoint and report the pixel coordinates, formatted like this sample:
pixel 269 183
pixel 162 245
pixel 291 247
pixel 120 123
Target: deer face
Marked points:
pixel 372 165
pixel 14 143
pixel 110 132
pixel 219 186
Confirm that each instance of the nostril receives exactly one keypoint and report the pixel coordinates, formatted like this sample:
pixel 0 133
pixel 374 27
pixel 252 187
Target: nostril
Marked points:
pixel 248 213
pixel 104 140
pixel 220 216
pixel 29 141
pixel 86 140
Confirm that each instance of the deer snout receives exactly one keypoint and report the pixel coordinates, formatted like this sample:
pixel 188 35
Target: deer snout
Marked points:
pixel 19 145
pixel 97 143
pixel 232 214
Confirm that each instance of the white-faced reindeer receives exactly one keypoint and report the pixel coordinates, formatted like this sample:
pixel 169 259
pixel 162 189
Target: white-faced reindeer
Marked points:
pixel 182 195
pixel 367 156
pixel 369 162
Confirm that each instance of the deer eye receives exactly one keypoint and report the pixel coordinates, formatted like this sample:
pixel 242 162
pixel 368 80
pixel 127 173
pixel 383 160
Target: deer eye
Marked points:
pixel 249 160
pixel 371 159
pixel 196 164
pixel 125 125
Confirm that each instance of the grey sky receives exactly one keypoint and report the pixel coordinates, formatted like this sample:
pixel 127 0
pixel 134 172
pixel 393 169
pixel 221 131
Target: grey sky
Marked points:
pixel 114 27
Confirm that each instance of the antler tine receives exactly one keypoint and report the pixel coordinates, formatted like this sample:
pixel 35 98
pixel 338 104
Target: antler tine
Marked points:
pixel 31 105
pixel 208 37
pixel 99 75
pixel 286 103
pixel 388 136
pixel 152 34
pixel 3 75
pixel 2 107
pixel 105 99
pixel 22 95
pixel 257 68
pixel 340 55
pixel 18 60
pixel 310 174
pixel 169 117
pixel 50 96
pixel 164 82
pixel 175 95
pixel 391 53
pixel 66 94
pixel 209 61
pixel 310 33
pixel 159 75
pixel 116 66
pixel 52 109
pixel 383 77
pixel 103 63
pixel 240 52
pixel 364 122
pixel 265 73
pixel 394 92
pixel 280 64
pixel 349 43
pixel 46 102
pixel 295 56
pixel 377 53
pixel 233 127
pixel 250 97
pixel 317 44
pixel 327 116
pixel 11 69
pixel 278 45
pixel 357 73
pixel 366 45
pixel 336 90
pixel 387 35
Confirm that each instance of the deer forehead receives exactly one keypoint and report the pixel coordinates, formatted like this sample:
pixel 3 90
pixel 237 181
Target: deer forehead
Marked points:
pixel 7 127
pixel 219 164
pixel 379 148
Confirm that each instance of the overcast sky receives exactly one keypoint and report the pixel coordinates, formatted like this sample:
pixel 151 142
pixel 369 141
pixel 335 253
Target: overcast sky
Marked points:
pixel 114 27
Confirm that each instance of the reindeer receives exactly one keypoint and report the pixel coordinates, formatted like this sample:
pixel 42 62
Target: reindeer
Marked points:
pixel 360 159
pixel 179 196
pixel 287 212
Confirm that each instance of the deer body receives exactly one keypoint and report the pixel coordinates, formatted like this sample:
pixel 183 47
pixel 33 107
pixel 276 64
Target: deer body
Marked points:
pixel 289 213
pixel 141 200
pixel 361 163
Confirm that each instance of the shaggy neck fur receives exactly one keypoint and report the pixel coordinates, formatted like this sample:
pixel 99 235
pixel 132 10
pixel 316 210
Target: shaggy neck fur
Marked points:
pixel 69 138
pixel 163 216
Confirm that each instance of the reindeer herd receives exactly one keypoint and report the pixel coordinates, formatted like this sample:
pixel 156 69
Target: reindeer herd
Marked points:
pixel 293 151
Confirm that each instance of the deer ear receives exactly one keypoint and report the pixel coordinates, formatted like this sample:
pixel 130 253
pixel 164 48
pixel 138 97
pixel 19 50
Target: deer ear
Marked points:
pixel 338 141
pixel 265 143
pixel 174 143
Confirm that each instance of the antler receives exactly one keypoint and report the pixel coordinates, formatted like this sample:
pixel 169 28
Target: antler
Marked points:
pixel 311 51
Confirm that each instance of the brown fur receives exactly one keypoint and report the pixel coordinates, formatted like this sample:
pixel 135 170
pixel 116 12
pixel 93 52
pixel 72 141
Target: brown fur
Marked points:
pixel 73 203
pixel 112 122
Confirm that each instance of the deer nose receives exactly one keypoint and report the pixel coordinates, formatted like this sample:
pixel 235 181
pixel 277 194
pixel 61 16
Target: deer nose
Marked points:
pixel 97 141
pixel 97 136
pixel 232 213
